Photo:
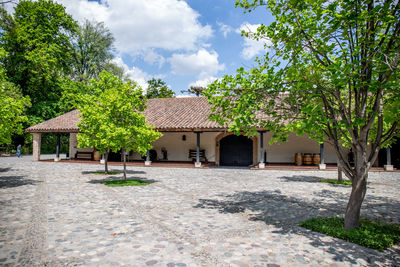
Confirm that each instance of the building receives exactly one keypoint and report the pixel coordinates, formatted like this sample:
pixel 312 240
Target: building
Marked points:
pixel 188 135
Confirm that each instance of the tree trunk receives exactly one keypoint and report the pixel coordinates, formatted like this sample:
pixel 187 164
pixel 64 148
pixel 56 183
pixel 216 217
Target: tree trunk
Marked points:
pixel 106 162
pixel 339 173
pixel 358 190
pixel 124 159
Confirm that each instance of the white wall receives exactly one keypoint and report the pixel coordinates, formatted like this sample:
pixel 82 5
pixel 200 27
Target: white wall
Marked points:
pixel 284 152
pixel 179 150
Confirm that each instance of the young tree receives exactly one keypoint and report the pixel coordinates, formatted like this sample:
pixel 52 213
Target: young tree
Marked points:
pixel 111 118
pixel 339 81
pixel 37 39
pixel 158 89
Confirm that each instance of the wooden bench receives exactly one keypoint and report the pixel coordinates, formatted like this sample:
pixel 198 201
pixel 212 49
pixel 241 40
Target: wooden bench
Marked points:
pixel 202 154
pixel 84 153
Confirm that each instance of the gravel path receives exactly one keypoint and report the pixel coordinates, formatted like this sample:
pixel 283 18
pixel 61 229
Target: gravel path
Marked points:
pixel 59 214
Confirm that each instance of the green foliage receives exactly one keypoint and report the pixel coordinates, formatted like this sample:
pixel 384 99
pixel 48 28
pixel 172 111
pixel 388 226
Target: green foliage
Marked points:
pixel 104 173
pixel 375 235
pixel 339 82
pixel 158 89
pixel 93 47
pixel 37 39
pixel 196 90
pixel 13 106
pixel 111 118
pixel 335 181
pixel 116 183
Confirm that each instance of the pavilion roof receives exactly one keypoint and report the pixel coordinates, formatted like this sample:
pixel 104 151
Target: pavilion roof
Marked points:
pixel 166 114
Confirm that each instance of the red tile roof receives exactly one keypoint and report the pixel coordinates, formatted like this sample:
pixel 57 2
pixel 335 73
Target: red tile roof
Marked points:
pixel 166 114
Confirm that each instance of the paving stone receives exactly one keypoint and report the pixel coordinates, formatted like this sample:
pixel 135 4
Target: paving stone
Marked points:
pixel 59 214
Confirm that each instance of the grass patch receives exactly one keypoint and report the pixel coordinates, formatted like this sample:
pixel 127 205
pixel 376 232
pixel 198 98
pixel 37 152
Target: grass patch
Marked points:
pixel 335 181
pixel 375 235
pixel 125 183
pixel 103 173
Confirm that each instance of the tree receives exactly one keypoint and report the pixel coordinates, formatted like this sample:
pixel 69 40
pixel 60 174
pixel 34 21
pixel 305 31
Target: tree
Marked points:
pixel 197 90
pixel 158 89
pixel 12 107
pixel 339 81
pixel 111 118
pixel 93 46
pixel 37 39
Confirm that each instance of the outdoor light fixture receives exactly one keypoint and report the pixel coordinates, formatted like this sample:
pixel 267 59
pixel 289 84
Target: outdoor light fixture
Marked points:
pixel 183 137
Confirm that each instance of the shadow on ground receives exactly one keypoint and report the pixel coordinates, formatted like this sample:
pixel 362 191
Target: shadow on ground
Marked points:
pixel 5 169
pixel 114 178
pixel 119 172
pixel 15 181
pixel 286 212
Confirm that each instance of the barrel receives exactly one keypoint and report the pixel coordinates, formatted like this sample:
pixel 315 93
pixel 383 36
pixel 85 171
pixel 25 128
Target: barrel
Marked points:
pixel 298 159
pixel 96 156
pixel 316 159
pixel 307 159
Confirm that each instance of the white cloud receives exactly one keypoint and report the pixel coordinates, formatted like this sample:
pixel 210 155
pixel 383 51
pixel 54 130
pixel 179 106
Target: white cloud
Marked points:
pixel 203 64
pixel 204 82
pixel 141 25
pixel 152 57
pixel 134 73
pixel 225 29
pixel 251 48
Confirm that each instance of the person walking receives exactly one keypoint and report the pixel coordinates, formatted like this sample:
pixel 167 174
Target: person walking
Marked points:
pixel 19 151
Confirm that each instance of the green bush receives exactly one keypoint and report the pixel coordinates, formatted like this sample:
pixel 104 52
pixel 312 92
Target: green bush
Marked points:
pixel 335 181
pixel 376 235
pixel 125 183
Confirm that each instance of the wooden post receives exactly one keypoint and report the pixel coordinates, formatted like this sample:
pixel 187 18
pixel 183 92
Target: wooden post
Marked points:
pixel 147 162
pixel 198 163
pixel 388 166
pixel 322 165
pixel 261 164
pixel 58 148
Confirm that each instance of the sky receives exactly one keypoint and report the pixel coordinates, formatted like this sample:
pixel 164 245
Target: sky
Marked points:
pixel 184 43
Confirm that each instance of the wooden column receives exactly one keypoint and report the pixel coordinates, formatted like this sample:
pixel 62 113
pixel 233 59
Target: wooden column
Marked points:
pixel 388 166
pixel 261 164
pixel 57 158
pixel 147 162
pixel 322 165
pixel 37 140
pixel 197 164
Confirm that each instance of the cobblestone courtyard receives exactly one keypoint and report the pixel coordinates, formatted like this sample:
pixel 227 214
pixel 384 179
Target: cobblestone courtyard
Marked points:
pixel 58 214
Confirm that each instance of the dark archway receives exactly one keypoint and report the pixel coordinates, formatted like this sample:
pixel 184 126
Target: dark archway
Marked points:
pixel 236 151
pixel 395 154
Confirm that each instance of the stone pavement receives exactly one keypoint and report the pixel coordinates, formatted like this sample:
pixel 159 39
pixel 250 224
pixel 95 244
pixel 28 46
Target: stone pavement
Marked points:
pixel 59 214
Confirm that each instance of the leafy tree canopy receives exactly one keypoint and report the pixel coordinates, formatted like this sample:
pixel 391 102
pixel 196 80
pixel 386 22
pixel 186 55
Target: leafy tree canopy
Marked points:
pixel 331 71
pixel 196 90
pixel 158 89
pixel 12 107
pixel 93 47
pixel 37 39
pixel 111 117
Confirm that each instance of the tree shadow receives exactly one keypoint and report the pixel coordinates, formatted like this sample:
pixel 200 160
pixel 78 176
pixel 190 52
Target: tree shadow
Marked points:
pixel 15 181
pixel 5 169
pixel 119 172
pixel 286 212
pixel 301 178
pixel 113 178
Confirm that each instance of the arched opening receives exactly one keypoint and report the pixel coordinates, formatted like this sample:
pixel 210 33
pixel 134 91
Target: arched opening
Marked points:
pixel 236 151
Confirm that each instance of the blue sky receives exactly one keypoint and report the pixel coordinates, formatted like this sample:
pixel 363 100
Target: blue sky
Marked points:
pixel 184 43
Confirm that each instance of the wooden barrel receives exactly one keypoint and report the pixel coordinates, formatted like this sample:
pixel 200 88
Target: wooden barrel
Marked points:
pixel 298 159
pixel 316 159
pixel 307 159
pixel 96 156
